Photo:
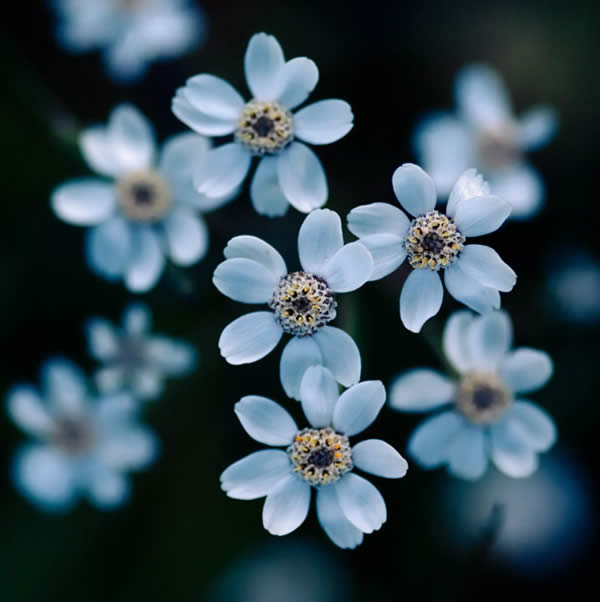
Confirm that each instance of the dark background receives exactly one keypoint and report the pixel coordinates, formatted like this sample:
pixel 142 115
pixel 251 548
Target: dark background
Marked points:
pixel 180 537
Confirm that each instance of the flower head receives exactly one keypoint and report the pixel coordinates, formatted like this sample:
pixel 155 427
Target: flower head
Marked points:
pixel 82 445
pixel 485 134
pixel 302 303
pixel 487 416
pixel 319 457
pixel 433 242
pixel 265 127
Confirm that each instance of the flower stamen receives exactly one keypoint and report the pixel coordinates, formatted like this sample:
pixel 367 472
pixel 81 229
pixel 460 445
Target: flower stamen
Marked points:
pixel 265 127
pixel 482 397
pixel 144 195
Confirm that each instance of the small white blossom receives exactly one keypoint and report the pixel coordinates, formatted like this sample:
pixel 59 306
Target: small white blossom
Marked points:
pixel 319 457
pixel 488 416
pixel 81 446
pixel 434 242
pixel 135 360
pixel 484 133
pixel 301 303
pixel 147 210
pixel 288 171
pixel 130 33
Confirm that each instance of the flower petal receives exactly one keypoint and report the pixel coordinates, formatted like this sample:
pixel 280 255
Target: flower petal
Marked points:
pixel 349 268
pixel 263 64
pixel 137 319
pixel 525 370
pixel 340 354
pixel 129 449
pixel 214 97
pixel 467 290
pixel 28 411
pixel 286 505
pixel 265 421
pixel 255 475
pixel 481 214
pixel 84 202
pixel 489 338
pixel 96 150
pixel 180 153
pixel 532 425
pixel 378 218
pixel 249 338
pixel 421 390
pixel 199 122
pixel 379 458
pixel 470 184
pixel 339 529
pixel 265 192
pixel 358 406
pixel 430 441
pixel 147 261
pixel 245 280
pixel 510 453
pixel 103 340
pixel 454 340
pixel 131 138
pixel 522 187
pixel 484 265
pixel 109 247
pixel 323 122
pixel 256 249
pixel 187 236
pixel 298 355
pixel 319 393
pixel 537 126
pixel 388 253
pixel 299 77
pixel 319 239
pixel 108 488
pixel 466 453
pixel 414 189
pixel 170 356
pixel 64 384
pixel 361 502
pixel 222 170
pixel 421 298
pixel 145 383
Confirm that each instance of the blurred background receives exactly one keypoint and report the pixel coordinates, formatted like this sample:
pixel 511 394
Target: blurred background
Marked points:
pixel 180 537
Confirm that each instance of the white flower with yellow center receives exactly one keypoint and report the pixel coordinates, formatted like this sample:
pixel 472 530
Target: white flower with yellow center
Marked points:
pixel 148 210
pixel 302 303
pixel 319 457
pixel 130 33
pixel 485 134
pixel 488 416
pixel 435 242
pixel 83 446
pixel 289 173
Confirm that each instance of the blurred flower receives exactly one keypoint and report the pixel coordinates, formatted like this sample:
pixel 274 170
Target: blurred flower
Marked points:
pixel 82 446
pixel 131 33
pixel 486 418
pixel 433 241
pixel 135 360
pixel 487 135
pixel 288 172
pixel 319 457
pixel 301 303
pixel 148 210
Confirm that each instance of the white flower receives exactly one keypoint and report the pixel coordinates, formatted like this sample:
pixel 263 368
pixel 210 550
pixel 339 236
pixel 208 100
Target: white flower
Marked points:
pixel 135 360
pixel 302 303
pixel 485 134
pixel 288 172
pixel 147 210
pixel 433 241
pixel 82 446
pixel 130 33
pixel 319 457
pixel 488 414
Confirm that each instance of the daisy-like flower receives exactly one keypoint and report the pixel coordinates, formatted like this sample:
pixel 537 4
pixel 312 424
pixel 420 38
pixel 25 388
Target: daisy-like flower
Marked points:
pixel 301 303
pixel 83 445
pixel 485 134
pixel 288 171
pixel 148 210
pixel 484 413
pixel 134 359
pixel 433 242
pixel 318 457
pixel 130 33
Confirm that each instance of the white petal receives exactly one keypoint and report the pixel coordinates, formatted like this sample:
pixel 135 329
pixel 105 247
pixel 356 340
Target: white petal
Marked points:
pixel 454 340
pixel 361 502
pixel 198 121
pixel 255 475
pixel 109 247
pixel 323 122
pixel 466 453
pixel 319 393
pixel 251 247
pixel 84 202
pixel 114 410
pixel 421 298
pixel 467 290
pixel 214 97
pixel 525 369
pixel 222 170
pixel 108 488
pixel 180 154
pixel 489 338
pixel 137 319
pixel 510 453
pixel 265 192
pixel 96 150
pixel 265 421
pixel 286 505
pixel 484 265
pixel 470 184
pixel 358 406
pixel 249 338
pixel 302 177
pixel 299 78
pixel 430 441
pixel 263 64
pixel 319 239
pixel 147 261
pixel 420 390
pixel 414 189
pixel 537 126
pixel 331 517
pixel 522 187
pixel 171 356
pixel 187 236
pixel 532 425
pixel 349 268
pixel 131 138
pixel 388 253
pixel 379 458
pixel 480 215
pixel 378 218
pixel 103 341
pixel 146 383
pixel 298 355
pixel 340 354
pixel 28 411
pixel 64 385
pixel 129 449
pixel 245 280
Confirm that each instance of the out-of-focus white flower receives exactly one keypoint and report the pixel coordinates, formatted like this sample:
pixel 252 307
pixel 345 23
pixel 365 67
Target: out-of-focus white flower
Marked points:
pixel 82 446
pixel 485 134
pixel 488 415
pixel 130 33
pixel 434 242
pixel 148 210
pixel 319 457
pixel 288 172
pixel 135 360
pixel 301 303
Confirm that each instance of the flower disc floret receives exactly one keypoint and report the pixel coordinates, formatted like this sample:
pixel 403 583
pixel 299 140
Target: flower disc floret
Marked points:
pixel 74 435
pixel 144 195
pixel 265 128
pixel 482 397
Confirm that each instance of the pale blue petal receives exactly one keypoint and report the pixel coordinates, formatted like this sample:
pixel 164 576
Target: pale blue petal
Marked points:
pixel 27 410
pixel 467 454
pixel 263 64
pixel 323 122
pixel 430 441
pixel 533 425
pixel 454 340
pixel 103 340
pixel 379 458
pixel 108 488
pixel 522 187
pixel 97 151
pixel 222 170
pixel 414 189
pixel 319 393
pixel 256 249
pixel 510 453
pixel 481 215
pixel 319 239
pixel 265 192
pixel 298 355
pixel 470 184
pixel 206 125
pixel 421 390
pixel 525 370
pixel 378 218
pixel 214 97
pixel 299 78
pixel 358 406
pixel 467 290
pixel 245 280
pixel 128 449
pixel 361 502
pixel 137 319
pixel 421 298
pixel 537 126
pixel 339 529
pixel 109 247
pixel 131 138
pixel 64 385
pixel 186 236
pixel 146 262
pixel 286 506
pixel 170 356
pixel 484 265
pixel 84 202
pixel 340 354
pixel 388 253
pixel 488 339
pixel 349 268
pixel 265 421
